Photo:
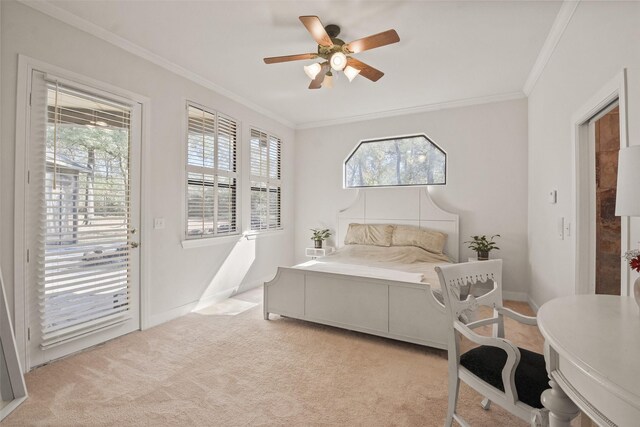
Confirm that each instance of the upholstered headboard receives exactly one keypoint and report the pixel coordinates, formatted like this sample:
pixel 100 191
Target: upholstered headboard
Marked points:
pixel 408 206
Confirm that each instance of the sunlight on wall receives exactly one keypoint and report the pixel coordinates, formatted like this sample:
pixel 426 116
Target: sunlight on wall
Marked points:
pixel 231 273
pixel 228 307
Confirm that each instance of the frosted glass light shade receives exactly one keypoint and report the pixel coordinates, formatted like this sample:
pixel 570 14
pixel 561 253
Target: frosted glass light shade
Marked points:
pixel 338 61
pixel 312 70
pixel 628 192
pixel 351 72
pixel 327 82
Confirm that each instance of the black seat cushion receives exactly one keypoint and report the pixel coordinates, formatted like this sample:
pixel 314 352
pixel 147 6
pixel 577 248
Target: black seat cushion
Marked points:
pixel 486 363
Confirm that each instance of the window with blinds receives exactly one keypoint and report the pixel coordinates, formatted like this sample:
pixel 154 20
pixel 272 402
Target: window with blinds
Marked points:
pixel 266 181
pixel 211 174
pixel 84 265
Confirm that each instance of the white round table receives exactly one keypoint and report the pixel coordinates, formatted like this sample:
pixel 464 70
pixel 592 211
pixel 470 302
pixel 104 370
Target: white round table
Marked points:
pixel 592 351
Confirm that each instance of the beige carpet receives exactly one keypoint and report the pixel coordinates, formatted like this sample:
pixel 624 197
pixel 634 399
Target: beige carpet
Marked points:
pixel 236 370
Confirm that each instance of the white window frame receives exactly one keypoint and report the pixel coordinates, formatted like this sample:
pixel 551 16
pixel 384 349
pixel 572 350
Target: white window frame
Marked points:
pixel 390 138
pixel 277 182
pixel 204 240
pixel 26 66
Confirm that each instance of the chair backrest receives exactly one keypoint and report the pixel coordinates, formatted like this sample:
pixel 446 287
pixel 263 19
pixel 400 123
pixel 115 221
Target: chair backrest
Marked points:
pixel 459 280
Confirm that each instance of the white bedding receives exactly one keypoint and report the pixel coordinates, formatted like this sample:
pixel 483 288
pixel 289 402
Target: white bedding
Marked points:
pixel 362 270
pixel 401 263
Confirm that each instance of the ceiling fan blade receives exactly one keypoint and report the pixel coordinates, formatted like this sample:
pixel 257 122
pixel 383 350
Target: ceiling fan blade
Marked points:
pixel 376 40
pixel 317 82
pixel 315 27
pixel 287 58
pixel 366 71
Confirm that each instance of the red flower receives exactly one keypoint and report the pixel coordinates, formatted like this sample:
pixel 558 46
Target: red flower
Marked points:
pixel 635 263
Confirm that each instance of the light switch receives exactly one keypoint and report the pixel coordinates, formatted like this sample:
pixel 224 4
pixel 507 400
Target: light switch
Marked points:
pixel 561 228
pixel 553 197
pixel 158 223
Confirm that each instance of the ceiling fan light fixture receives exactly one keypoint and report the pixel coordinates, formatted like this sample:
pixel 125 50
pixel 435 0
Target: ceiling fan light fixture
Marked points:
pixel 351 72
pixel 312 70
pixel 338 61
pixel 335 54
pixel 328 82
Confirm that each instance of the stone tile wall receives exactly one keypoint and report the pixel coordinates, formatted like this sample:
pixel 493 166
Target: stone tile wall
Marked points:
pixel 608 225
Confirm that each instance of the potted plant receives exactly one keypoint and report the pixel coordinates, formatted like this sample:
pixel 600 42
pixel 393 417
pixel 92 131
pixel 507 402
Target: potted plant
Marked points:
pixel 319 235
pixel 483 245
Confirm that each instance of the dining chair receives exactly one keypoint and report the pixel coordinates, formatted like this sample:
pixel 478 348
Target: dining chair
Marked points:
pixel 503 373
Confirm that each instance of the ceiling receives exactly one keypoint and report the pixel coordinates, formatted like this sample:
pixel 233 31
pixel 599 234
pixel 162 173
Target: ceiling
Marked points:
pixel 448 51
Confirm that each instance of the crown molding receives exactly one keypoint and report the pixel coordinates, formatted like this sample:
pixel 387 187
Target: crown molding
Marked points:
pixel 82 24
pixel 562 20
pixel 467 102
pixel 553 38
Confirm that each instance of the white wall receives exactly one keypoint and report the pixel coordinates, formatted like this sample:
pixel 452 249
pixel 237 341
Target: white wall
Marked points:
pixel 178 277
pixel 601 39
pixel 487 175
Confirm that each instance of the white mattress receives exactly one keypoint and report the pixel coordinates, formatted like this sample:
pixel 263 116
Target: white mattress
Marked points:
pixel 362 270
pixel 400 263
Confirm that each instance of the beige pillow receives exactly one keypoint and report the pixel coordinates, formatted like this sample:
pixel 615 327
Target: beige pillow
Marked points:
pixel 369 234
pixel 429 240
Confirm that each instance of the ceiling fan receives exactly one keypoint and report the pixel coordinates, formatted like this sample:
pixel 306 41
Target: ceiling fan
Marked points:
pixel 336 53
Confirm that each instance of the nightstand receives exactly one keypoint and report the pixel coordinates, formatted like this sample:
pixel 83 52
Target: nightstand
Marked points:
pixel 315 253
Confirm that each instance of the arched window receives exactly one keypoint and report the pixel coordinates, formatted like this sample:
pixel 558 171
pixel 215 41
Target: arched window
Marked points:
pixel 396 161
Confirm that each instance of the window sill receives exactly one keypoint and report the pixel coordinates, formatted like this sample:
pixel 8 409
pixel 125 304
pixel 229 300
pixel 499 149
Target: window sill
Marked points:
pixel 225 240
pixel 253 235
pixel 210 241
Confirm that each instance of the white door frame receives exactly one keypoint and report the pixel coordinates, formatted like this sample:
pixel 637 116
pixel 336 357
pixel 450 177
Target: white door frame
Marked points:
pixel 26 66
pixel 582 240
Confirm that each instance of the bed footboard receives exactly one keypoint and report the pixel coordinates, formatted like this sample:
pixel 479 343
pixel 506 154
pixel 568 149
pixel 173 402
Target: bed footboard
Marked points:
pixel 399 310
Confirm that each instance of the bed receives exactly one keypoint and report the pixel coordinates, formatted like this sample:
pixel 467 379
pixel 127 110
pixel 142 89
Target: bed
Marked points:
pixel 387 288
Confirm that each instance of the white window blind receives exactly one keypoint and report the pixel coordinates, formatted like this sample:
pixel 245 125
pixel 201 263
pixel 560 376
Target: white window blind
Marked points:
pixel 211 174
pixel 84 259
pixel 266 181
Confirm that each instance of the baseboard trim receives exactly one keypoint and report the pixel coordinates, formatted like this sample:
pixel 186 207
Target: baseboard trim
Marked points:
pixel 174 313
pixel 521 296
pixel 535 307
pixel 515 296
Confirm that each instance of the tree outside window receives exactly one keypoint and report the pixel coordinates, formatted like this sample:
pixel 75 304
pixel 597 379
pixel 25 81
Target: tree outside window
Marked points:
pixel 400 161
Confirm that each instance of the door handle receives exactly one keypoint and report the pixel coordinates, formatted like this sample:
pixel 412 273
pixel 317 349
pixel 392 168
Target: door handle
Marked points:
pixel 135 244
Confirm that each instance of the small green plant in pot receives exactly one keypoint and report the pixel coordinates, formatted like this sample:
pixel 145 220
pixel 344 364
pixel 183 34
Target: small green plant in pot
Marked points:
pixel 483 245
pixel 319 236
